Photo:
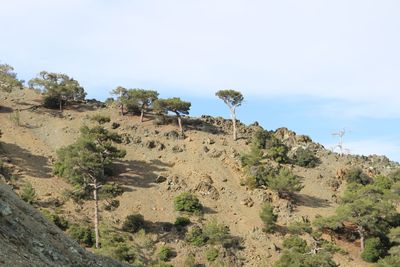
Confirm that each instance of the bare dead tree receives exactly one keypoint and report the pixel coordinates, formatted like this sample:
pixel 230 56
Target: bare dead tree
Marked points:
pixel 340 134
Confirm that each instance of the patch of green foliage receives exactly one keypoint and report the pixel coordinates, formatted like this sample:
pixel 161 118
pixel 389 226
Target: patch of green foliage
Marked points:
pixel 165 253
pixel 83 234
pixel 60 221
pixel 211 254
pixel 28 193
pixel 356 175
pixel 133 223
pixel 305 158
pixel 268 217
pixel 195 236
pixel 373 250
pixel 187 202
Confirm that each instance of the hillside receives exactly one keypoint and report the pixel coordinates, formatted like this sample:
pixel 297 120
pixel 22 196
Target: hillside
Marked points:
pixel 206 162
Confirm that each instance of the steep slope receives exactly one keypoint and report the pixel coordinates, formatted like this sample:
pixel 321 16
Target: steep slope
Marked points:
pixel 206 162
pixel 28 239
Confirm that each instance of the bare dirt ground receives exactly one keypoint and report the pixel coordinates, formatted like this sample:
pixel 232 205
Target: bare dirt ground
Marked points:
pixel 31 147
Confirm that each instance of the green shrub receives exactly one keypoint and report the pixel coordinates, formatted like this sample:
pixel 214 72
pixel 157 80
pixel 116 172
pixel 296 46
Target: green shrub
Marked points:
pixel 28 193
pixel 373 250
pixel 356 175
pixel 133 223
pixel 212 254
pixel 51 102
pixel 84 235
pixel 389 261
pixel 395 175
pixel 111 190
pixel 122 252
pixel 59 221
pixel 276 150
pixel 182 221
pixel 187 202
pixel 295 243
pixel 101 119
pixel 285 183
pixel 190 261
pixel 165 253
pixel 305 158
pixel 195 236
pixel 383 182
pixel 216 233
pixel 268 217
pixel 299 228
pixel 112 205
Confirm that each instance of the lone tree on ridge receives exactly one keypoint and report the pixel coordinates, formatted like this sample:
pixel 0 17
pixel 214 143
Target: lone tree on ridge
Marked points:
pixel 232 99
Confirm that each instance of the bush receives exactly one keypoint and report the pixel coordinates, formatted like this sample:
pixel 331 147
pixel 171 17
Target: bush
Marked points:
pixel 82 234
pixel 165 253
pixel 285 183
pixel 389 261
pixel 305 158
pixel 51 102
pixel 195 236
pixel 59 221
pixel 216 233
pixel 276 150
pixel 356 175
pixel 268 217
pixel 101 119
pixel 383 182
pixel 28 193
pixel 112 205
pixel 133 223
pixel 395 175
pixel 295 243
pixel 182 221
pixel 111 190
pixel 373 250
pixel 299 228
pixel 212 254
pixel 187 202
pixel 190 261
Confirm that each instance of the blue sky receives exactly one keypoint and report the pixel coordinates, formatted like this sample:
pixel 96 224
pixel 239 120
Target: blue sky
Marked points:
pixel 313 66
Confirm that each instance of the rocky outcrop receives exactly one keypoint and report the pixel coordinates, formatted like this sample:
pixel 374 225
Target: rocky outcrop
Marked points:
pixel 28 239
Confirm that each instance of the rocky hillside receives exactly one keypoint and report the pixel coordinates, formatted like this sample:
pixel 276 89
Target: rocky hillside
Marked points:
pixel 160 165
pixel 28 239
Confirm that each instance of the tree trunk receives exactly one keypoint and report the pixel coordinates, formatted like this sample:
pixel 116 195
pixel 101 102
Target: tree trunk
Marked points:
pixel 180 124
pixel 362 237
pixel 234 124
pixel 96 214
pixel 122 109
pixel 60 100
pixel 141 115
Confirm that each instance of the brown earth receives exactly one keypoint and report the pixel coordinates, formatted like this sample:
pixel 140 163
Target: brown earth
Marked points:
pixel 206 162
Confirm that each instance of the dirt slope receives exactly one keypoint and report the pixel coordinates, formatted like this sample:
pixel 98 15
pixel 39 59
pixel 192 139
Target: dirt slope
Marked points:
pixel 206 162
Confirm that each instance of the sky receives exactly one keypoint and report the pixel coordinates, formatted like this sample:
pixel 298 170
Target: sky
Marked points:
pixel 313 66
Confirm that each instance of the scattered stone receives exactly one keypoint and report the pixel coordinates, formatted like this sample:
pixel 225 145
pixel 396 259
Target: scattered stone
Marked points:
pixel 160 179
pixel 115 125
pixel 174 135
pixel 215 153
pixel 150 144
pixel 5 209
pixel 207 189
pixel 247 202
pixel 177 149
